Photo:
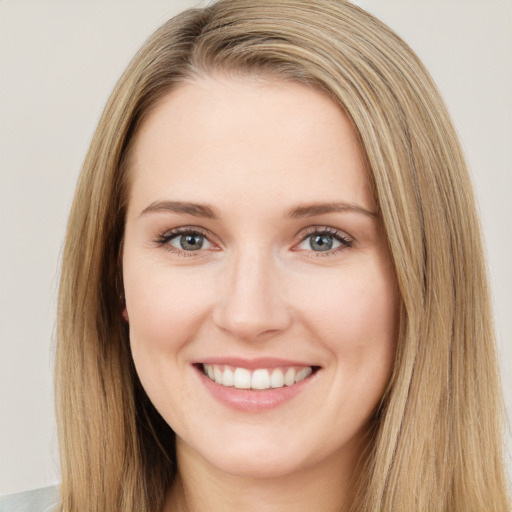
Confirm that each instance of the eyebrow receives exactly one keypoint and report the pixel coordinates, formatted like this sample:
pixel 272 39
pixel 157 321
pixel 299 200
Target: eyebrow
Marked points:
pixel 298 212
pixel 195 209
pixel 313 209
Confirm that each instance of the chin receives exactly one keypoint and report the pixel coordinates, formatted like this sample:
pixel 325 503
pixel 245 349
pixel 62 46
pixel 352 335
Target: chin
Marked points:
pixel 263 458
pixel 258 467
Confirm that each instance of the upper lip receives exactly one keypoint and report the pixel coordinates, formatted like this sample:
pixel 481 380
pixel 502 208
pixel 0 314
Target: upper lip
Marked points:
pixel 253 364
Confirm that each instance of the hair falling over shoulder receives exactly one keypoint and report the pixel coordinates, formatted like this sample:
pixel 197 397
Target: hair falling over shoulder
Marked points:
pixel 437 435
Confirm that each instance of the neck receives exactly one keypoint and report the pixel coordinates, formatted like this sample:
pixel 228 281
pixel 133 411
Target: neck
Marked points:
pixel 325 487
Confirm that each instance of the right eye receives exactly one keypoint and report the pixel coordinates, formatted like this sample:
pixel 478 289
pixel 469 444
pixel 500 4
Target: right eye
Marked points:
pixel 190 241
pixel 184 241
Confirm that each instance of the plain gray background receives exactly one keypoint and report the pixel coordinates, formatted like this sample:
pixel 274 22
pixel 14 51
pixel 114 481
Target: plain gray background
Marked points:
pixel 58 63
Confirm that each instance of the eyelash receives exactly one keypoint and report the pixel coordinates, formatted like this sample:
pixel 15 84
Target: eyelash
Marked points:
pixel 345 241
pixel 164 239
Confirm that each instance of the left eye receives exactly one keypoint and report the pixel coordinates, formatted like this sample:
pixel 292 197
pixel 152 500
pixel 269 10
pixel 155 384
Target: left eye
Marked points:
pixel 190 242
pixel 320 242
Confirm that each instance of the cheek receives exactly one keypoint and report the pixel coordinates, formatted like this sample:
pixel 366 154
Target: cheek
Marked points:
pixel 165 313
pixel 357 323
pixel 164 307
pixel 354 309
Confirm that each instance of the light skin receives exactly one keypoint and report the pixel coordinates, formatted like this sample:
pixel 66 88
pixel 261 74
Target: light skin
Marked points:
pixel 286 259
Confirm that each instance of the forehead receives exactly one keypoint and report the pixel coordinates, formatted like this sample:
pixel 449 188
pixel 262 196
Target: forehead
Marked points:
pixel 224 137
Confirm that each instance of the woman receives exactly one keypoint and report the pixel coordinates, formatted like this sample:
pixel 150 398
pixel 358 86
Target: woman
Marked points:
pixel 273 293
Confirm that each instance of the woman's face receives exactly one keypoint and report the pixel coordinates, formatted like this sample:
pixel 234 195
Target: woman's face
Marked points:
pixel 253 258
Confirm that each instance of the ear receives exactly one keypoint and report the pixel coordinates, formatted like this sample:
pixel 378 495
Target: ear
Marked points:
pixel 124 314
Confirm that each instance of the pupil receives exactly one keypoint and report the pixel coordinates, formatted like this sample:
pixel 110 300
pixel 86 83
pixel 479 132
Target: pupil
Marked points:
pixel 321 243
pixel 191 242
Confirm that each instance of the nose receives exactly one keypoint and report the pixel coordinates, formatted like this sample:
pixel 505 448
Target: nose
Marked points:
pixel 252 305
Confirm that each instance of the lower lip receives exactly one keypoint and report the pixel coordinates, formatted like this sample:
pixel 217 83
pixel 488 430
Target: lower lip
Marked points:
pixel 248 400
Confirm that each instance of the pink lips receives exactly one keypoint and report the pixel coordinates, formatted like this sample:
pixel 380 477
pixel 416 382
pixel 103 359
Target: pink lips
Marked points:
pixel 250 400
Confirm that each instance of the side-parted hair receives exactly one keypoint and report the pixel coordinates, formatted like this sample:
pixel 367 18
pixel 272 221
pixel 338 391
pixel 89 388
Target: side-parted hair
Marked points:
pixel 436 442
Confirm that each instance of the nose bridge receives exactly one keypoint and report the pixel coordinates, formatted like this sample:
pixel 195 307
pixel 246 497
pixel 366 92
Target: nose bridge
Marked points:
pixel 252 305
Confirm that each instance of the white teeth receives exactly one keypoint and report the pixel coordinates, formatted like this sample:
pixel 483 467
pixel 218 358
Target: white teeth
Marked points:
pixel 227 377
pixel 242 378
pixel 302 374
pixel 289 378
pixel 262 378
pixel 277 379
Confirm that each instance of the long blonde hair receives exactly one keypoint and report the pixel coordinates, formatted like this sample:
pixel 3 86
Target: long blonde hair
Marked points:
pixel 436 438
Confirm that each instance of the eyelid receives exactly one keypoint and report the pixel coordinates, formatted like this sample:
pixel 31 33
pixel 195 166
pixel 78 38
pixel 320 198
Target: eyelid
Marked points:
pixel 163 239
pixel 344 238
pixel 320 229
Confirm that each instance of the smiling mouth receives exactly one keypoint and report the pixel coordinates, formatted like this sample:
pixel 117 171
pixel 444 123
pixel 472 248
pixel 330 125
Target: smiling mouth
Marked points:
pixel 257 379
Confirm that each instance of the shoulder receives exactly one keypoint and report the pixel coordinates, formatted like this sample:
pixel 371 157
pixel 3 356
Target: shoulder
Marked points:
pixel 46 499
